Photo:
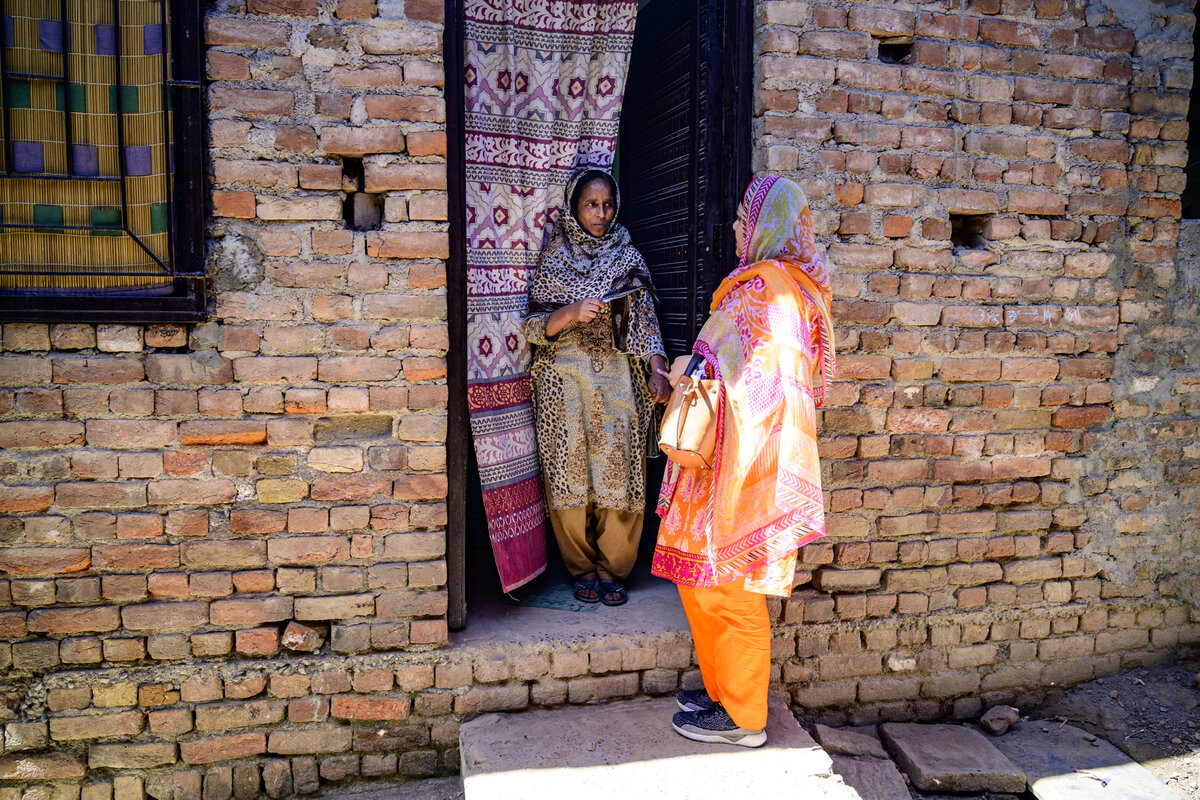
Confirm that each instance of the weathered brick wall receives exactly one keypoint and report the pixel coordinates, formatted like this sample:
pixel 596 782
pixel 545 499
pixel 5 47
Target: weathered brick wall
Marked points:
pixel 1009 452
pixel 172 495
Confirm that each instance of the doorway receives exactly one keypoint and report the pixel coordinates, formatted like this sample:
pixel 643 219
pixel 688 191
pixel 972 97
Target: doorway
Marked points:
pixel 683 158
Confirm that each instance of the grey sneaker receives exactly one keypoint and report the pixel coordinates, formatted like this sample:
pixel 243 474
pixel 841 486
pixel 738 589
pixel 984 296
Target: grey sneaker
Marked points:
pixel 693 700
pixel 715 725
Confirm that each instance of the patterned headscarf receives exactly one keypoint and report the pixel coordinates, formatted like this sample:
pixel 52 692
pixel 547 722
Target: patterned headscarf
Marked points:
pixel 574 264
pixel 779 232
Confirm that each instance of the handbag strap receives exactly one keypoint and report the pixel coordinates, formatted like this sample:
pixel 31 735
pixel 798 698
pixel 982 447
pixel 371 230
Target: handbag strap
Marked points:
pixel 696 361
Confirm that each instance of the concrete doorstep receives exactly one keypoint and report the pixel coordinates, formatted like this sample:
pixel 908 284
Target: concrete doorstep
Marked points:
pixel 628 749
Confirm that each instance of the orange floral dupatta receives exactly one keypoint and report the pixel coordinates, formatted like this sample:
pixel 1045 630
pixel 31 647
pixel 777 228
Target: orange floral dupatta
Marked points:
pixel 770 341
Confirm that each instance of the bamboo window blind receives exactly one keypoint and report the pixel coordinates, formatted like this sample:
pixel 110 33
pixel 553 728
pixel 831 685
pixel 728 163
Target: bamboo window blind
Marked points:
pixel 87 163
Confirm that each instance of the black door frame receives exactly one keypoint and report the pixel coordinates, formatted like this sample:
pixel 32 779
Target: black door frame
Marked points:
pixel 732 170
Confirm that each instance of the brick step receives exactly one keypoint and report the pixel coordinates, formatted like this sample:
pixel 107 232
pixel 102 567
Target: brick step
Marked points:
pixel 627 749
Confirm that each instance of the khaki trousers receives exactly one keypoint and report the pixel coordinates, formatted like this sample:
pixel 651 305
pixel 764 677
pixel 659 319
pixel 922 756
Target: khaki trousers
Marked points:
pixel 608 546
pixel 732 631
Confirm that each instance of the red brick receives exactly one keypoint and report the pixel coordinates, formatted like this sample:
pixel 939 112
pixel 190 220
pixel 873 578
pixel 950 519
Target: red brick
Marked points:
pixel 100 495
pixel 354 708
pixel 250 611
pixel 969 201
pixel 1017 34
pixel 337 607
pixel 98 370
pixel 40 434
pixel 187 522
pixel 96 726
pixel 1081 417
pixel 838 44
pixel 21 499
pixel 307 550
pixel 864 367
pixel 24 370
pixel 1119 40
pixel 222 431
pixel 268 369
pixel 164 617
pixel 74 620
pixel 137 557
pixel 46 767
pixel 222 748
pixel 251 102
pixel 241 31
pixel 973 316
pixel 369 76
pixel 192 492
pixel 405 177
pixel 349 487
pixel 970 369
pixel 1049 204
pixel 130 434
pixel 236 205
pixel 918 420
pixel 237 554
pixel 361 141
pixel 315 739
pixel 352 369
pixel 257 641
pixel 406 109
pixel 426 143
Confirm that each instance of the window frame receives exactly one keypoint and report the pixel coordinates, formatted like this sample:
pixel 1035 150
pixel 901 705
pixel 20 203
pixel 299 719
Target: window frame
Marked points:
pixel 187 301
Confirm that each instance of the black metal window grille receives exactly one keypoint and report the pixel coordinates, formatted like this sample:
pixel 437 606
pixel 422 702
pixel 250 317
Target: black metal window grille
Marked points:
pixel 101 168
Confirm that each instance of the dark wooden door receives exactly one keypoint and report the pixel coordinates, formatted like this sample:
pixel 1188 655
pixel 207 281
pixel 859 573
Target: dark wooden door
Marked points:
pixel 684 151
pixel 683 161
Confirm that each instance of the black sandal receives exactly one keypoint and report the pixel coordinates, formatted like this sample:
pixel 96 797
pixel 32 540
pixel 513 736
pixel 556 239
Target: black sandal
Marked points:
pixel 614 588
pixel 587 585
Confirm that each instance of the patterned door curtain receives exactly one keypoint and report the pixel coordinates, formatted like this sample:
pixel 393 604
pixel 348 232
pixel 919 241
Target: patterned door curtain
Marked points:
pixel 544 82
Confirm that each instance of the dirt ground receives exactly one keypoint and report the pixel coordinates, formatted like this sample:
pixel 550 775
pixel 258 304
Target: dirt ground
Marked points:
pixel 1152 714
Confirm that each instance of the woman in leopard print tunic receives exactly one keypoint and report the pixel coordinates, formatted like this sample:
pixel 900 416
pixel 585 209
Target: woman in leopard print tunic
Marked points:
pixel 596 357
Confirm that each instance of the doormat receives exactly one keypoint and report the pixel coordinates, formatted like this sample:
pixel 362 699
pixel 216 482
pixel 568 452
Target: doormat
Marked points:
pixel 554 593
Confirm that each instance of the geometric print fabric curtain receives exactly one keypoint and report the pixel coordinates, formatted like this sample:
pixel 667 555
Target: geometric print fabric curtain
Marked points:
pixel 544 83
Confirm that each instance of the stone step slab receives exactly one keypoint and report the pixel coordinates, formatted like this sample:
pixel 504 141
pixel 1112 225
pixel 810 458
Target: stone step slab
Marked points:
pixel 849 741
pixel 950 758
pixel 628 749
pixel 1050 752
pixel 872 778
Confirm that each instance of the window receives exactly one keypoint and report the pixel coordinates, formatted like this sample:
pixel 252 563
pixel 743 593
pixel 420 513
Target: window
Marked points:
pixel 101 175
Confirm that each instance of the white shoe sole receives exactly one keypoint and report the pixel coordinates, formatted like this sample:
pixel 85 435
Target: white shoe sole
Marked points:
pixel 748 740
pixel 690 707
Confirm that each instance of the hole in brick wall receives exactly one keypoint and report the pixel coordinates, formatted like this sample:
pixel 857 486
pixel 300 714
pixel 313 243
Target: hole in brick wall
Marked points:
pixel 895 51
pixel 364 212
pixel 966 230
pixel 361 211
pixel 352 172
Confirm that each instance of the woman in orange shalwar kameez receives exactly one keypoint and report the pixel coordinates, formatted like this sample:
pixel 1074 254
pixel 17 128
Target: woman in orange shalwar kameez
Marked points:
pixel 729 536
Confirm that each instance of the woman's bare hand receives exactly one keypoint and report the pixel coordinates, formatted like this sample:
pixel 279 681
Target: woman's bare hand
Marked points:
pixel 585 310
pixel 660 388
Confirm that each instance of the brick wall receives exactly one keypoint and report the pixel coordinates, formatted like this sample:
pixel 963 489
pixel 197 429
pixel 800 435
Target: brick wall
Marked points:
pixel 1010 455
pixel 173 495
pixel 1009 452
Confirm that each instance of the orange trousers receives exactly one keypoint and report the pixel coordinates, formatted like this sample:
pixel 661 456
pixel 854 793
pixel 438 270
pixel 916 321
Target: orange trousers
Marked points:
pixel 732 632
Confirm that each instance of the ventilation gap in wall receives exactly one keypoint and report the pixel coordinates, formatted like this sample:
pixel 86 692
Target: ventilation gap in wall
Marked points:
pixel 966 230
pixel 361 211
pixel 895 50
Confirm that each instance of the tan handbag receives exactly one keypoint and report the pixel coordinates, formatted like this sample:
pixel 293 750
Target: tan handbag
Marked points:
pixel 689 427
